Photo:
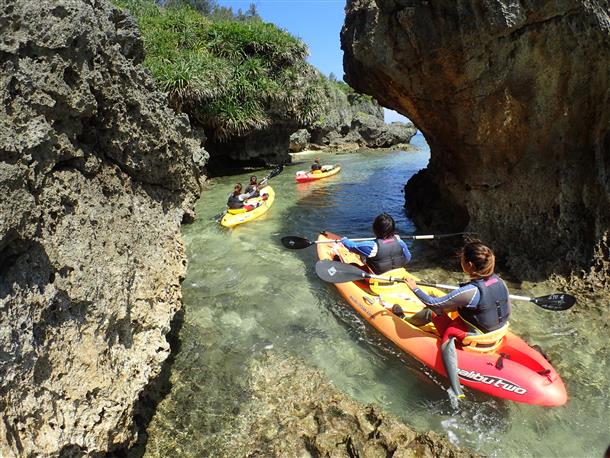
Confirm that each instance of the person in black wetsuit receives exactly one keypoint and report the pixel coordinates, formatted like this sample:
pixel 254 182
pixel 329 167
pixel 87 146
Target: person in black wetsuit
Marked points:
pixel 253 187
pixel 387 252
pixel 316 165
pixel 236 199
pixel 483 305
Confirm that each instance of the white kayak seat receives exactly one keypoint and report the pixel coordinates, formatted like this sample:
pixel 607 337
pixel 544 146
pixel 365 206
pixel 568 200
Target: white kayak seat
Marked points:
pixel 483 343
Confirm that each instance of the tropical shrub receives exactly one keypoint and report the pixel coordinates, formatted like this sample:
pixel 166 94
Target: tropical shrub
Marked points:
pixel 229 76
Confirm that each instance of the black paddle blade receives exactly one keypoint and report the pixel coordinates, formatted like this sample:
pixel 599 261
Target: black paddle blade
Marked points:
pixel 275 172
pixel 555 302
pixel 338 272
pixel 296 243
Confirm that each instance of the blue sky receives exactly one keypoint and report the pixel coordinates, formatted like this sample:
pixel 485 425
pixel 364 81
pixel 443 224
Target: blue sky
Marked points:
pixel 317 22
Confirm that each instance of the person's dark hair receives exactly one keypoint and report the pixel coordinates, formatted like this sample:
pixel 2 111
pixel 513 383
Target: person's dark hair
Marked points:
pixel 236 185
pixel 384 226
pixel 481 256
pixel 253 177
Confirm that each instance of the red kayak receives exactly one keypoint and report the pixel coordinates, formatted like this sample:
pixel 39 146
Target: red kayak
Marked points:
pixel 499 363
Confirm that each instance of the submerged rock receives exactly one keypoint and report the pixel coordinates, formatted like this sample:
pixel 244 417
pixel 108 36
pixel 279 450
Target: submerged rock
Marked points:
pixel 295 411
pixel 96 176
pixel 513 99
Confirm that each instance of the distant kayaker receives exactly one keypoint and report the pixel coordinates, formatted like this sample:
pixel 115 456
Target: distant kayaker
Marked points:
pixel 385 253
pixel 316 165
pixel 253 187
pixel 482 304
pixel 236 199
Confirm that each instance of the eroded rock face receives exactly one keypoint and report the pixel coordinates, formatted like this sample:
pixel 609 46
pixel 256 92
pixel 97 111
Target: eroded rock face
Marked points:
pixel 295 411
pixel 513 98
pixel 351 121
pixel 96 175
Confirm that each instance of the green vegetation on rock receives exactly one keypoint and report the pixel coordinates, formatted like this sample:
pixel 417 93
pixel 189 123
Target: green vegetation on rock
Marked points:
pixel 229 76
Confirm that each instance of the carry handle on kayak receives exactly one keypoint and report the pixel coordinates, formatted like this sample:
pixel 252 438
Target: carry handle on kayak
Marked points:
pixel 339 272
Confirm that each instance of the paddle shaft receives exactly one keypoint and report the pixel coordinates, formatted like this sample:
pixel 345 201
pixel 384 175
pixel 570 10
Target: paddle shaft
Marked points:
pixel 338 272
pixel 439 285
pixel 406 237
pixel 338 240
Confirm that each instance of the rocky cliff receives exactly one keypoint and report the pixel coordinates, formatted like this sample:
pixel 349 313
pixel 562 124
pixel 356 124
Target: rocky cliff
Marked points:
pixel 96 176
pixel 513 98
pixel 350 120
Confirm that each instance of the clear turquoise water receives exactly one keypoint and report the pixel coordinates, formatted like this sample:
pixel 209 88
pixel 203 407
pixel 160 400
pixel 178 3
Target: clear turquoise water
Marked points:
pixel 245 294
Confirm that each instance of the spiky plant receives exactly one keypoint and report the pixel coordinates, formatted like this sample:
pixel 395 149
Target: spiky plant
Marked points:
pixel 230 76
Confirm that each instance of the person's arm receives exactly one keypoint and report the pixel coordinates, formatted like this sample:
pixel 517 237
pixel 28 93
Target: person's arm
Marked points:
pixel 405 251
pixel 367 248
pixel 465 296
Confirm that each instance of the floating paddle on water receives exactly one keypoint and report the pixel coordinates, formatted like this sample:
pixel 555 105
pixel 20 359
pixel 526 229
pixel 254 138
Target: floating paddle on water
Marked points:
pixel 275 172
pixel 296 243
pixel 339 272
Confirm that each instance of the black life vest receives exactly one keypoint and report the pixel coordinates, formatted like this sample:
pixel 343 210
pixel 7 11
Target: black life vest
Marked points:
pixel 494 306
pixel 316 166
pixel 389 256
pixel 234 202
pixel 252 190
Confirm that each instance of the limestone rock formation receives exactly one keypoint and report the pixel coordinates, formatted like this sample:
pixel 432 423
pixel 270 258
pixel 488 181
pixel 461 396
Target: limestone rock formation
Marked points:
pixel 96 176
pixel 350 121
pixel 513 98
pixel 295 411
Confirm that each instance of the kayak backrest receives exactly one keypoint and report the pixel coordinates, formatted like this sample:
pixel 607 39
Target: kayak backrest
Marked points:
pixel 380 287
pixel 484 343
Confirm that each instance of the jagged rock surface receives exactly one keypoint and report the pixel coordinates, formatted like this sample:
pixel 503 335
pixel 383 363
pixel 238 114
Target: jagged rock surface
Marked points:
pixel 96 175
pixel 513 98
pixel 351 121
pixel 294 411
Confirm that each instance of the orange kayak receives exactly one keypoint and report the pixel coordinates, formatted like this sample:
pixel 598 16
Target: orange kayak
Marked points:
pixel 499 363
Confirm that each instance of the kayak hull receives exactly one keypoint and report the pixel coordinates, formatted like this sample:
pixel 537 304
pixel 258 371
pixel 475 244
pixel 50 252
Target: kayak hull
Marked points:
pixel 304 177
pixel 232 220
pixel 513 371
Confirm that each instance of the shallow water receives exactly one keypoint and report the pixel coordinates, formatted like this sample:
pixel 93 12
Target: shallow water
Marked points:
pixel 245 294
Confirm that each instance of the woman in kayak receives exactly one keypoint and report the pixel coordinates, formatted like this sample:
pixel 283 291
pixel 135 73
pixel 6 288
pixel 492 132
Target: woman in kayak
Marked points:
pixel 253 187
pixel 482 305
pixel 316 165
pixel 236 199
pixel 385 253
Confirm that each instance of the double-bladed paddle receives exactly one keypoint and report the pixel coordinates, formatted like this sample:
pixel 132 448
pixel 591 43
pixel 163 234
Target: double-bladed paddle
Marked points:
pixel 296 243
pixel 339 272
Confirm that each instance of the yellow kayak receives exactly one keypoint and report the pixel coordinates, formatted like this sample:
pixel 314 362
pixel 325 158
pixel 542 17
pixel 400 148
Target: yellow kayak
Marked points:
pixel 240 216
pixel 304 177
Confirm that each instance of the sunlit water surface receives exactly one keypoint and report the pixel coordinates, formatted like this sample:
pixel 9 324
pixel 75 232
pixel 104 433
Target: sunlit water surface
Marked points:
pixel 245 294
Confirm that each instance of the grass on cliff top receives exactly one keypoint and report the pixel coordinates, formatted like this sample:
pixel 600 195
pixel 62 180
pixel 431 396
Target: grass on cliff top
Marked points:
pixel 230 76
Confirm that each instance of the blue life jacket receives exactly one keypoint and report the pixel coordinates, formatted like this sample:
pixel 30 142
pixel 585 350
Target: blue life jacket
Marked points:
pixel 493 309
pixel 389 256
